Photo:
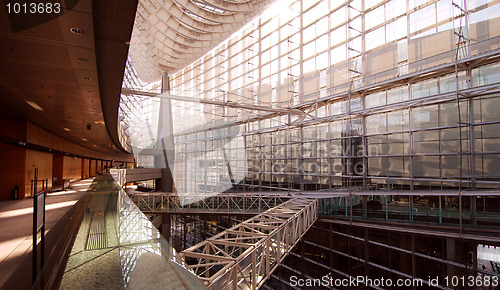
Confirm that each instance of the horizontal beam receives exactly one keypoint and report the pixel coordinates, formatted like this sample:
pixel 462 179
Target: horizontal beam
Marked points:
pixel 126 91
pixel 158 203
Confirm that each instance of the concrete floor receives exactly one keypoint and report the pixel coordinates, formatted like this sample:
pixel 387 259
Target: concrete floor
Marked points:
pixel 16 228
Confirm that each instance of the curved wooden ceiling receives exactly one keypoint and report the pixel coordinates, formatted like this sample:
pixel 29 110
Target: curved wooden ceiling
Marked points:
pixel 73 78
pixel 170 34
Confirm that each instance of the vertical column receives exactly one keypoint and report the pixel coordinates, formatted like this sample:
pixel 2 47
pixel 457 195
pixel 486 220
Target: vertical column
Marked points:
pixel 410 141
pixel 366 252
pixel 451 255
pixel 165 141
pixel 165 226
pixel 413 258
pixel 301 158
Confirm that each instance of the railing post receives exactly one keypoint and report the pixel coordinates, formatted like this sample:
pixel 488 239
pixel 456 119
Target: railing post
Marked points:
pixel 235 277
pixel 268 260
pixel 254 274
pixel 278 240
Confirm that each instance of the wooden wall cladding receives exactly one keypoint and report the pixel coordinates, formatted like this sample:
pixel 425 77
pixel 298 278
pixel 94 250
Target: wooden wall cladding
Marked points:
pixel 12 171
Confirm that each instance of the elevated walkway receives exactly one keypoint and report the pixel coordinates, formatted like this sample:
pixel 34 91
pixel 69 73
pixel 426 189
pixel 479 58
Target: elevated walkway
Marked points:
pixel 116 246
pixel 244 256
pixel 16 240
pixel 126 175
pixel 224 203
pixel 466 214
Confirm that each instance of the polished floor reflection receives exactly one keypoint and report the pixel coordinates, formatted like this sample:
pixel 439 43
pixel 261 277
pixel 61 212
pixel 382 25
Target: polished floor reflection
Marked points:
pixel 118 247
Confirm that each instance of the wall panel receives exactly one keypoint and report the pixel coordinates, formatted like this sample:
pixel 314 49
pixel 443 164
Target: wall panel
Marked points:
pixel 12 170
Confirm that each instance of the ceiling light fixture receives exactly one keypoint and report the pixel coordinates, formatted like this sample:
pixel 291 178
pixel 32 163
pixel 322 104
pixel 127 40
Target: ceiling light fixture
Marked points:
pixel 67 129
pixel 34 105
pixel 76 30
pixel 85 139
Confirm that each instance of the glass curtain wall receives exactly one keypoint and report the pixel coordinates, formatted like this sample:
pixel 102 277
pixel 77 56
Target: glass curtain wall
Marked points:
pixel 394 95
pixel 138 116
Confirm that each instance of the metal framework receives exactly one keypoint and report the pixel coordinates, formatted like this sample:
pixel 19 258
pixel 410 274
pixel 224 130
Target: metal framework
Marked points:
pixel 334 241
pixel 184 30
pixel 228 103
pixel 424 209
pixel 126 175
pixel 244 256
pixel 411 131
pixel 240 203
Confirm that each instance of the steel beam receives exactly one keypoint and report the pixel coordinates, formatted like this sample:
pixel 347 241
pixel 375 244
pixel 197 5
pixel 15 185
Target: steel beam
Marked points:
pixel 244 256
pixel 231 104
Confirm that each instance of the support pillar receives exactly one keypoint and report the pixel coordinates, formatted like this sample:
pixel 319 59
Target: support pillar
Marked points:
pixel 165 226
pixel 165 141
pixel 451 255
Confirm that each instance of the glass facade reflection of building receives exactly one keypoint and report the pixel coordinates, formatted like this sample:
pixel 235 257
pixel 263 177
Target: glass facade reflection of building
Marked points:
pixel 387 111
pixel 394 95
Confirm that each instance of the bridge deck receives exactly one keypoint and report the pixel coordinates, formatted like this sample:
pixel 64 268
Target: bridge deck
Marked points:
pixel 247 203
pixel 244 256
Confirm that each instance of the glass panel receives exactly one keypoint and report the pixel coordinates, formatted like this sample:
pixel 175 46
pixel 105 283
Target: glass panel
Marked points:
pixel 424 89
pixel 397 95
pixel 376 124
pixel 449 83
pixel 375 100
pixel 425 117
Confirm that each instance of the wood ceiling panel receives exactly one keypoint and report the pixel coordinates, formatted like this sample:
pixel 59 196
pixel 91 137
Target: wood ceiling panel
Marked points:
pixel 29 51
pixel 51 32
pixel 41 64
pixel 37 72
pixel 82 21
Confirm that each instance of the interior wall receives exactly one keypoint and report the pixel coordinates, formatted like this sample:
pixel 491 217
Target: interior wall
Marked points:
pixel 93 168
pixel 85 168
pixel 99 165
pixel 57 166
pixel 12 170
pixel 18 163
pixel 72 168
pixel 44 162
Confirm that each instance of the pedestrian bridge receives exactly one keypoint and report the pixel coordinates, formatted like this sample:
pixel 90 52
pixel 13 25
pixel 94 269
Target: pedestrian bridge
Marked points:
pixel 241 257
pixel 244 256
pixel 224 203
pixel 126 175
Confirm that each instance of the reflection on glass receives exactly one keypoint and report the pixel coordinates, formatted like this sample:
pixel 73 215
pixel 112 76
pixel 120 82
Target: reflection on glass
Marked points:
pixel 443 210
pixel 118 247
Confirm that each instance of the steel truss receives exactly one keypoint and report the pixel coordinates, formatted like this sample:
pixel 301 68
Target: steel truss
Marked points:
pixel 231 104
pixel 244 256
pixel 240 203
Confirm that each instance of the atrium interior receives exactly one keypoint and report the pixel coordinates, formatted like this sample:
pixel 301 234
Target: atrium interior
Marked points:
pixel 257 144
